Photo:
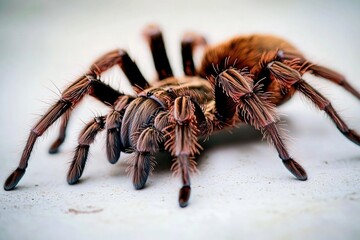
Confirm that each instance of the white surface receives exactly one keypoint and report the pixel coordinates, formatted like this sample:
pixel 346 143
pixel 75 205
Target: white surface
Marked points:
pixel 243 190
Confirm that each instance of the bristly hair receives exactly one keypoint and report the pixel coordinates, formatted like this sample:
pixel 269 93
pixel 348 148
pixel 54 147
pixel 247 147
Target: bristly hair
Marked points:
pixel 266 58
pixel 183 162
pixel 299 65
pixel 283 74
pixel 182 140
pixel 139 168
pixel 234 83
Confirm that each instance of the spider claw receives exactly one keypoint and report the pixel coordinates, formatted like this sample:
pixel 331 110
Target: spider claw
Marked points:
pixel 13 179
pixel 296 169
pixel 184 196
pixel 113 145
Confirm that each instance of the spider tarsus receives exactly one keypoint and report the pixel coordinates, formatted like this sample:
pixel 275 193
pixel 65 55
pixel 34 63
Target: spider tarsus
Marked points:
pixel 141 170
pixel 72 181
pixel 184 196
pixel 296 169
pixel 352 136
pixel 113 145
pixel 13 179
pixel 140 184
pixel 54 148
pixel 77 166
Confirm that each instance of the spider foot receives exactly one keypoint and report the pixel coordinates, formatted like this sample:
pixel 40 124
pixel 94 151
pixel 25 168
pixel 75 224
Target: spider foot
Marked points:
pixel 54 148
pixel 140 183
pixel 77 166
pixel 141 169
pixel 352 136
pixel 184 196
pixel 296 169
pixel 13 179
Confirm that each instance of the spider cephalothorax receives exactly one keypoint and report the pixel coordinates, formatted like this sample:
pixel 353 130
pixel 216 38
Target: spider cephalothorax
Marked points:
pixel 241 80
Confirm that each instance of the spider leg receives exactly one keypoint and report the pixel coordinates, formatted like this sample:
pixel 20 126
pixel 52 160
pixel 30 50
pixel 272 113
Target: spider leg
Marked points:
pixel 334 77
pixel 305 66
pixel 235 89
pixel 188 44
pixel 143 161
pixel 86 137
pixel 182 143
pixel 154 37
pixel 114 144
pixel 105 62
pixel 70 97
pixel 111 122
pixel 54 148
pixel 324 104
pixel 289 77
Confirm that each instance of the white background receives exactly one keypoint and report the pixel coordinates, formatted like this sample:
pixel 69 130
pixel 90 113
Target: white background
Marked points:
pixel 243 189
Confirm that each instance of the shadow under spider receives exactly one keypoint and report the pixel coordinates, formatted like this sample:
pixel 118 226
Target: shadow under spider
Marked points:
pixel 242 134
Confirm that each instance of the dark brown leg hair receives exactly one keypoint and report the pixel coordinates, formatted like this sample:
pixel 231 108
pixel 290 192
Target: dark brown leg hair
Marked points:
pixel 70 97
pixel 182 143
pixel 253 108
pixel 143 161
pixel 300 64
pixel 188 44
pixel 153 35
pixel 105 62
pixel 290 77
pixel 86 137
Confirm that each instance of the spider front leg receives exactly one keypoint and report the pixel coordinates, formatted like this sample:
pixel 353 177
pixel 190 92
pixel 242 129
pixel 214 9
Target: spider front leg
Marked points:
pixel 182 143
pixel 143 161
pixel 87 137
pixel 117 57
pixel 86 85
pixel 114 145
pixel 112 123
pixel 236 96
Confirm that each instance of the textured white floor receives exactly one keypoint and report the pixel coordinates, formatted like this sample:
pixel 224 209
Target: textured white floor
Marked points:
pixel 243 190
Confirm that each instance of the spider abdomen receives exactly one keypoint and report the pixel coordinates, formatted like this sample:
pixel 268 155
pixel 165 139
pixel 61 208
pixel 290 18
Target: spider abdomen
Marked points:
pixel 252 52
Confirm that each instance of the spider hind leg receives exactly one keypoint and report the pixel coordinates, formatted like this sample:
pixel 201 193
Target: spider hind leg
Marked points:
pixel 302 65
pixel 289 77
pixel 154 38
pixel 189 43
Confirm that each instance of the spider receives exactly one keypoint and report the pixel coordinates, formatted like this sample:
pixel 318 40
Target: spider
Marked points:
pixel 239 81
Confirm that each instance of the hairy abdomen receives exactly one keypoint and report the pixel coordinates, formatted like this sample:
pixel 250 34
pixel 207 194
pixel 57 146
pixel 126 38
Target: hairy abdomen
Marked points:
pixel 249 52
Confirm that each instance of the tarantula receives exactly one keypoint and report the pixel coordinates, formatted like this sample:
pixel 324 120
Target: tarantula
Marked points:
pixel 239 81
